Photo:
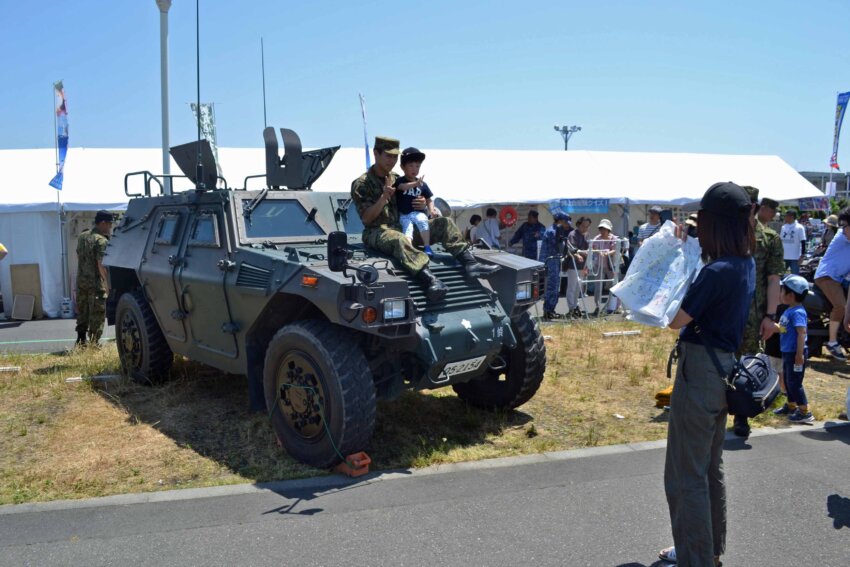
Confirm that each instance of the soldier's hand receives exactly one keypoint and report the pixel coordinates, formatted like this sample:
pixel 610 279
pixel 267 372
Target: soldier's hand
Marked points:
pixel 419 203
pixel 767 329
pixel 388 192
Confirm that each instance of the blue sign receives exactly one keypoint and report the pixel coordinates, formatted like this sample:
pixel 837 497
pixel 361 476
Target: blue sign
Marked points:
pixel 579 206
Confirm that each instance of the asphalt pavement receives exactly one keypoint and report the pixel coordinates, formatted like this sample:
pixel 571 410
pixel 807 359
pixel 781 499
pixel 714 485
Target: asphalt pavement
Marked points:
pixel 789 504
pixel 42 335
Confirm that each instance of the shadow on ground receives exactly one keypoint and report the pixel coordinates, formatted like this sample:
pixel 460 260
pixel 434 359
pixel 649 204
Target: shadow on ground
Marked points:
pixel 207 411
pixel 838 508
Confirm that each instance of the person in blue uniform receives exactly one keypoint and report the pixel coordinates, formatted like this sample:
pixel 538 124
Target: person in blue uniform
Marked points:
pixel 551 254
pixel 529 232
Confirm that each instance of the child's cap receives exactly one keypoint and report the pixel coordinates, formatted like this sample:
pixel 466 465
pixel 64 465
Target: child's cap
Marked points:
pixel 412 154
pixel 797 284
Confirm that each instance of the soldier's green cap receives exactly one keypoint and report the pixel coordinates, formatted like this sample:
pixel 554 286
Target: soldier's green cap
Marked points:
pixel 753 192
pixel 389 145
pixel 770 203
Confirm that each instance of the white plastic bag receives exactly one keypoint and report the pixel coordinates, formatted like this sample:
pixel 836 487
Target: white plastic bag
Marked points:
pixel 659 276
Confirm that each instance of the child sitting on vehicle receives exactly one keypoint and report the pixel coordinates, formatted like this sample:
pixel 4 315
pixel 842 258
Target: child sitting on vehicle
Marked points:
pixel 408 187
pixel 792 341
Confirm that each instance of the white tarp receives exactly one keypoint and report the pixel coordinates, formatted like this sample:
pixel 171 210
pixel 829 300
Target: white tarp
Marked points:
pixel 94 179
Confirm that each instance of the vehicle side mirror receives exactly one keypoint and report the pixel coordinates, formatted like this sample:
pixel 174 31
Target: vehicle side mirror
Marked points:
pixel 337 251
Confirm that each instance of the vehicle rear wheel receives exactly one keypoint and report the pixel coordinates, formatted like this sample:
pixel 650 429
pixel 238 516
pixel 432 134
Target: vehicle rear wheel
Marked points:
pixel 319 393
pixel 144 353
pixel 517 383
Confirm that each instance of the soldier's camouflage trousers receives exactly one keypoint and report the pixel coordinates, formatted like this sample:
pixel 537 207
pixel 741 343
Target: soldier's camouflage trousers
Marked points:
pixel 91 308
pixel 390 240
pixel 750 344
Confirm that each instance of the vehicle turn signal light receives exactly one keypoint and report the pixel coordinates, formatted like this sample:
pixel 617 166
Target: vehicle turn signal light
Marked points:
pixel 370 315
pixel 310 281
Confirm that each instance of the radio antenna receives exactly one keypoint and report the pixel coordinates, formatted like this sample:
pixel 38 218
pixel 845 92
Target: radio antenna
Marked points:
pixel 199 172
pixel 263 66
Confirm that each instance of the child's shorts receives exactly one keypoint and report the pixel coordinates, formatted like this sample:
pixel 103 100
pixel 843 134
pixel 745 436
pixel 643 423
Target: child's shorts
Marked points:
pixel 417 219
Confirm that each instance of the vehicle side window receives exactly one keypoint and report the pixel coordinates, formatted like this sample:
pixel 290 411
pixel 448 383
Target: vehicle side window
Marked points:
pixel 276 218
pixel 205 231
pixel 168 224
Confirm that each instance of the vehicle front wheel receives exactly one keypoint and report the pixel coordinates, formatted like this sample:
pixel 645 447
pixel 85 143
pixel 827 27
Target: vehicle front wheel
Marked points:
pixel 517 383
pixel 319 393
pixel 144 353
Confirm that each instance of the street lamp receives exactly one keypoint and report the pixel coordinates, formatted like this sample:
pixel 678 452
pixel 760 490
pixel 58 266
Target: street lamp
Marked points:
pixel 164 6
pixel 567 132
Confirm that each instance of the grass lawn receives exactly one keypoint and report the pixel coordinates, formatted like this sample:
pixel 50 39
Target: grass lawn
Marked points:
pixel 94 438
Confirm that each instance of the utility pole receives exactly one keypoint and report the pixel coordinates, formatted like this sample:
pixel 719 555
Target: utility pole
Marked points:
pixel 164 6
pixel 567 132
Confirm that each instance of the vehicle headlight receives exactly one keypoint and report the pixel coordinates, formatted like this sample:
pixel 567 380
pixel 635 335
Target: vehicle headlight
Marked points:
pixel 395 309
pixel 523 292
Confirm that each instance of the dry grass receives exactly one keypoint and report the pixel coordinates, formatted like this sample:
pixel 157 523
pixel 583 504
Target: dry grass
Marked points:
pixel 75 440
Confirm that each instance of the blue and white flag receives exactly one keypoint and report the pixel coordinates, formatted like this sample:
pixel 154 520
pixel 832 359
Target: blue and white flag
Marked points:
pixel 365 136
pixel 61 135
pixel 840 108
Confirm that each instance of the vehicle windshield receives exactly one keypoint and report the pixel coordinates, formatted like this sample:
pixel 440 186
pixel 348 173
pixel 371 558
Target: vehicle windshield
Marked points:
pixel 276 218
pixel 351 219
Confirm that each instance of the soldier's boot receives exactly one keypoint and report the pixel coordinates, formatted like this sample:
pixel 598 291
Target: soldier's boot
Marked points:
pixel 81 339
pixel 435 290
pixel 473 267
pixel 94 340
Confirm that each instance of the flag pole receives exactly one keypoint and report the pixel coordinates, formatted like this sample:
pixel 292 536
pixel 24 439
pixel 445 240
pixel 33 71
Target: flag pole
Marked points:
pixel 62 244
pixel 365 136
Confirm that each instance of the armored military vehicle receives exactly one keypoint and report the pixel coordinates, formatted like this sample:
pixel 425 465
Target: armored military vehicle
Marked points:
pixel 275 284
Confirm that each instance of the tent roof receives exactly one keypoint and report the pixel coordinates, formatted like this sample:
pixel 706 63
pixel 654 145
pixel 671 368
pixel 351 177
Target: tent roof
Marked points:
pixel 94 177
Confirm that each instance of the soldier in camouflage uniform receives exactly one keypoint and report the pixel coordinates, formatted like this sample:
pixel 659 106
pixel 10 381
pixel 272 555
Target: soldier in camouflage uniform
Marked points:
pixel 374 195
pixel 769 270
pixel 92 287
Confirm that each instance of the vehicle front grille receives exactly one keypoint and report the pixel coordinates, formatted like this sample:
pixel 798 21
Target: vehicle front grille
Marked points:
pixel 463 291
pixel 252 276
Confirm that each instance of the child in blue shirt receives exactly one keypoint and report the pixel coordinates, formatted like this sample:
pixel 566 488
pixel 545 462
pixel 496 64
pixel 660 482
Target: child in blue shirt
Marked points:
pixel 792 343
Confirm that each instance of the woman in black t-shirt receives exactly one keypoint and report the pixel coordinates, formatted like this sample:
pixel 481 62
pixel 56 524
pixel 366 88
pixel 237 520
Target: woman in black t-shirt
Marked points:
pixel 716 307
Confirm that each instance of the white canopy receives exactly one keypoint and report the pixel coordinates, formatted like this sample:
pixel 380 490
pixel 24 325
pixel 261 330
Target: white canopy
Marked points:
pixel 94 178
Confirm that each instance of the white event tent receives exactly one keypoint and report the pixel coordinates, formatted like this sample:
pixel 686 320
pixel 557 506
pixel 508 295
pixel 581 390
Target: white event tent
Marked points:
pixel 94 179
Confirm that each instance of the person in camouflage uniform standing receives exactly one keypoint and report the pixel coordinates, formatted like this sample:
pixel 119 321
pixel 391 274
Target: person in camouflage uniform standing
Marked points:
pixel 770 267
pixel 92 285
pixel 374 195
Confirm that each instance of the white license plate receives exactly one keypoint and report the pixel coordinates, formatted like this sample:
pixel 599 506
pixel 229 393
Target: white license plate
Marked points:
pixel 463 366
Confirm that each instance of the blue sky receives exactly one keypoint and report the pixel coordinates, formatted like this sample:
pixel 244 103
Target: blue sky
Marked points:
pixel 746 77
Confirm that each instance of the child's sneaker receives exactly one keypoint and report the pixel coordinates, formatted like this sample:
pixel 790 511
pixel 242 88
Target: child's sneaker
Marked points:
pixel 429 251
pixel 836 352
pixel 800 417
pixel 784 410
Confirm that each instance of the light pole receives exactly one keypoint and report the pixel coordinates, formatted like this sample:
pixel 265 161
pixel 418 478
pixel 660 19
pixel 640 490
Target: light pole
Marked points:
pixel 163 6
pixel 567 132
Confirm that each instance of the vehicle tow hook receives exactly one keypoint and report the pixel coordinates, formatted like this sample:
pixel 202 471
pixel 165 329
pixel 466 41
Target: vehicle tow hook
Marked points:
pixel 498 363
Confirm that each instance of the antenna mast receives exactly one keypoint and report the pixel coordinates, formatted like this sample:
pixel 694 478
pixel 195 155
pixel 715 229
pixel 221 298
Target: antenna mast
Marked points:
pixel 199 172
pixel 263 65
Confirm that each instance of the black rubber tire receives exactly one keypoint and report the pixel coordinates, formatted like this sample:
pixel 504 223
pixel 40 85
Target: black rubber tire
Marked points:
pixel 144 352
pixel 519 381
pixel 343 374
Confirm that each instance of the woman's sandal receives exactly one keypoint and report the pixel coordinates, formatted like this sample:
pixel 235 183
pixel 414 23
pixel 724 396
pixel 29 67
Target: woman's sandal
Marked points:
pixel 668 555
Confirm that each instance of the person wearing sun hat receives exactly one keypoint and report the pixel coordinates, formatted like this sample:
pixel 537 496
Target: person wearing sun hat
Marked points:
pixel 605 250
pixel 829 233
